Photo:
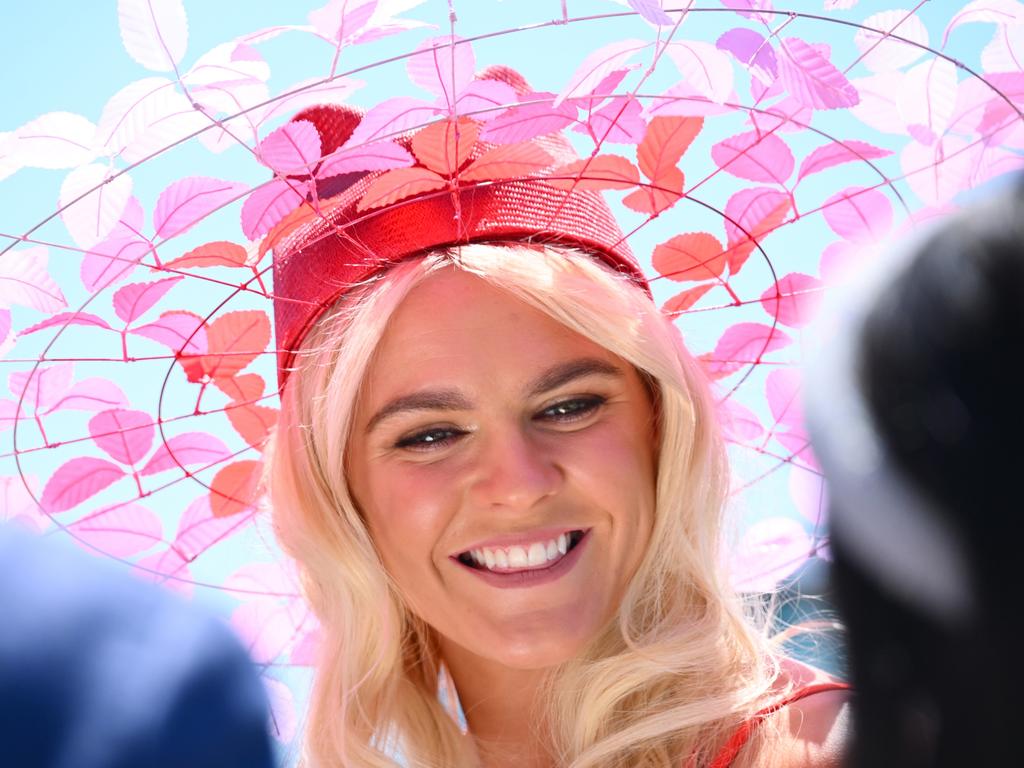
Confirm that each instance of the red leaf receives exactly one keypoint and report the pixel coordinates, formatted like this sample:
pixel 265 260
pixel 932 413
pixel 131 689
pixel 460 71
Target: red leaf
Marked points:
pixel 217 254
pixel 665 142
pixel 252 422
pixel 661 194
pixel 77 480
pixel 126 436
pixel 186 449
pixel 132 300
pixel 741 345
pixel 392 186
pixel 793 300
pixel 235 340
pixel 811 78
pixel 751 215
pixel 683 301
pixel 67 318
pixel 444 146
pixel 184 334
pixel 693 256
pixel 242 389
pixel 836 154
pixel 507 161
pixel 234 487
pixel 601 172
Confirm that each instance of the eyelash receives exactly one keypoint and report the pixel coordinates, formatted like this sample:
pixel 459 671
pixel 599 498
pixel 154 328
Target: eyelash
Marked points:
pixel 581 408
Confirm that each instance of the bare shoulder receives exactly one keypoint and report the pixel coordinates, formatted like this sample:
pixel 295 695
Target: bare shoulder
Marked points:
pixel 814 729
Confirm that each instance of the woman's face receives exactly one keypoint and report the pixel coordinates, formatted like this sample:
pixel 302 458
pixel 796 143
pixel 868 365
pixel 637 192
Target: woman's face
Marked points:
pixel 485 425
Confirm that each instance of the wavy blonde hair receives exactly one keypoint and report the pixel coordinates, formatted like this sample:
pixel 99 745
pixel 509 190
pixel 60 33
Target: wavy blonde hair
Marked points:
pixel 676 669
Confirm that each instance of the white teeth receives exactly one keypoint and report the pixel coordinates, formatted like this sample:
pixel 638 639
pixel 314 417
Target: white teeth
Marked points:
pixel 538 554
pixel 517 557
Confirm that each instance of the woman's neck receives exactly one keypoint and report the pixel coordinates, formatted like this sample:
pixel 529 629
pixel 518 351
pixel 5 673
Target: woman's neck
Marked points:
pixel 500 708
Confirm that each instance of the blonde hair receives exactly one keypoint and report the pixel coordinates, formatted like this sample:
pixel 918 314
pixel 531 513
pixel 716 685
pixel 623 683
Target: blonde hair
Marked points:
pixel 679 666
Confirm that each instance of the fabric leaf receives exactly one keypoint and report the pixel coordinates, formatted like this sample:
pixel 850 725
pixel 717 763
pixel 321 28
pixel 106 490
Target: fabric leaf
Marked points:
pixel 377 156
pixel 120 531
pixel 398 184
pixel 235 340
pixel 154 32
pixel 692 256
pixel 252 422
pixel 125 436
pixel 686 299
pixel 184 450
pixel 269 204
pixel 793 300
pixel 752 50
pixel 93 201
pixel 77 480
pixel 187 201
pixel 53 140
pixel 24 280
pixel 859 214
pixel 233 489
pixel 598 64
pixel 743 344
pixel 755 157
pixel 530 120
pixel 293 149
pixel 752 214
pixel 600 172
pixel 704 69
pixel 133 300
pixel 112 260
pixel 444 146
pixel 507 161
pixel 811 78
pixel 217 254
pixel 837 153
pixel 444 66
pixel 771 551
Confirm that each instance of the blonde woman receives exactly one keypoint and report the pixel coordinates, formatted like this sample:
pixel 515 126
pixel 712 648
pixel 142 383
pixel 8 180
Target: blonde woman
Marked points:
pixel 499 472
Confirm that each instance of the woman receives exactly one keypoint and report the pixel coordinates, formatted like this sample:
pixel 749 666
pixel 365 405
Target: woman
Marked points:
pixel 499 472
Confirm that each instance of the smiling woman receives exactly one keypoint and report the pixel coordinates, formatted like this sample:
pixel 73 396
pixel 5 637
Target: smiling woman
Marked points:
pixel 499 471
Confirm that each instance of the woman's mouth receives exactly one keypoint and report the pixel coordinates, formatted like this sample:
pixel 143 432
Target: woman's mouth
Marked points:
pixel 517 559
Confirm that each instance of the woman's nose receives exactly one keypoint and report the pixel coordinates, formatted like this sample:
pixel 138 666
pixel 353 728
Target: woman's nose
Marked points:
pixel 514 471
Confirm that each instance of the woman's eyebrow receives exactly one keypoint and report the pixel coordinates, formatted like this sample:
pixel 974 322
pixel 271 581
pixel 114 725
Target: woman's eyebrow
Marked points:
pixel 453 400
pixel 563 373
pixel 426 400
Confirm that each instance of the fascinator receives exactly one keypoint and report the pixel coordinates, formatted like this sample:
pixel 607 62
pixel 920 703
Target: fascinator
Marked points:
pixel 731 159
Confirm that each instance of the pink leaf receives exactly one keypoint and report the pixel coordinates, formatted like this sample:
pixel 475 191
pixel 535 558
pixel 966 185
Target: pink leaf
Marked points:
pixel 167 568
pixel 444 66
pixel 125 436
pixel 837 153
pixel 618 121
pixel 53 140
pixel 120 531
pixel 133 300
pixel 269 204
pixel 65 319
pixel 793 300
pixel 938 173
pixel 651 11
pixel 178 330
pixel 744 344
pixel 751 215
pixel 293 149
pixel 508 161
pixel 378 156
pixel 485 100
pixel 771 550
pixel 25 280
pixel 529 121
pixel 1003 12
pixel 77 480
pixel 755 157
pixel 739 423
pixel 199 529
pixel 139 113
pixel 41 388
pixel 154 32
pixel 859 214
pixel 184 450
pixel 811 78
pixel 5 330
pixel 18 503
pixel 93 200
pixel 95 394
pixel 597 65
pixel 340 20
pixel 112 260
pixel 884 54
pixel 929 99
pixel 783 394
pixel 268 627
pixel 399 184
pixel 705 69
pixel 391 118
pixel 752 50
pixel 187 201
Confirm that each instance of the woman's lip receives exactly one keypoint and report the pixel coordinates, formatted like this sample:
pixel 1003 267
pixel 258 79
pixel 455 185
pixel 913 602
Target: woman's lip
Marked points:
pixel 534 577
pixel 522 540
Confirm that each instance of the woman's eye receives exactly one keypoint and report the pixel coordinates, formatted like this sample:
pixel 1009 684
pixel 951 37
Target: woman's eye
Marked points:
pixel 431 438
pixel 572 410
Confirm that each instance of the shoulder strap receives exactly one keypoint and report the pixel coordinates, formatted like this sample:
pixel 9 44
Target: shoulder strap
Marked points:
pixel 742 734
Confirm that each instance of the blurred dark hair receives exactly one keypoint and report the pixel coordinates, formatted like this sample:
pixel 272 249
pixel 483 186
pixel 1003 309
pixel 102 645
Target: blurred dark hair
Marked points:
pixel 936 363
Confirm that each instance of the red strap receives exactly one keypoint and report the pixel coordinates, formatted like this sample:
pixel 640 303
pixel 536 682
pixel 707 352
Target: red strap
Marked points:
pixel 742 734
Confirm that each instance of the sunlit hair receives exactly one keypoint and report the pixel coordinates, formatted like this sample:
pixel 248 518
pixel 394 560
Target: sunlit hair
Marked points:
pixel 678 667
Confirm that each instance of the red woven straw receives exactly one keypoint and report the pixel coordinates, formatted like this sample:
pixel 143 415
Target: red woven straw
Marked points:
pixel 321 260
